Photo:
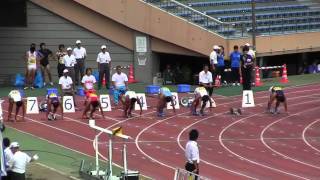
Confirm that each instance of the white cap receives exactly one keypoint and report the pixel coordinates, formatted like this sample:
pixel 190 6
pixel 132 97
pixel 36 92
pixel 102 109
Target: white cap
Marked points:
pixel 247 44
pixel 14 145
pixel 103 47
pixel 69 49
pixel 78 42
pixel 216 47
pixel 65 71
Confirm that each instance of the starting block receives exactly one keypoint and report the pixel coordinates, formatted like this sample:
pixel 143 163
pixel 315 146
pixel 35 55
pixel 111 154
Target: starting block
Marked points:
pixel 247 98
pixel 235 111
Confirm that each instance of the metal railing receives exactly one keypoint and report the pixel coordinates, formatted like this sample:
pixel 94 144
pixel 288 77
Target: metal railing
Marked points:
pixel 196 17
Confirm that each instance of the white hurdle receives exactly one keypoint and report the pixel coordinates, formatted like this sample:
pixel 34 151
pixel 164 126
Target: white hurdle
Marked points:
pixel 108 173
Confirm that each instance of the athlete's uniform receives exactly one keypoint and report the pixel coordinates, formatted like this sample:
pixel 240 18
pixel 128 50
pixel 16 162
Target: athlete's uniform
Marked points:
pixel 279 93
pixel 201 92
pixel 15 95
pixel 32 60
pixel 166 93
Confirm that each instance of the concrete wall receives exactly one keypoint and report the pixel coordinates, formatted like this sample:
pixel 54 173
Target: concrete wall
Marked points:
pixel 44 26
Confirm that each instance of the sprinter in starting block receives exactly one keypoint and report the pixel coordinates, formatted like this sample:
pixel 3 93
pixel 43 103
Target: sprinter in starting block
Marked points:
pixel 15 98
pixel 201 95
pixel 53 103
pixel 165 96
pixel 128 101
pixel 92 105
pixel 277 95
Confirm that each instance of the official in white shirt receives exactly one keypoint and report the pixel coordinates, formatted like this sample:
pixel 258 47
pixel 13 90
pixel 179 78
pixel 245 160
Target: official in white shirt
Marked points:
pixel 104 64
pixel 213 60
pixel 66 85
pixel 69 61
pixel 120 84
pixel 7 156
pixel 80 54
pixel 192 153
pixel 18 162
pixel 205 79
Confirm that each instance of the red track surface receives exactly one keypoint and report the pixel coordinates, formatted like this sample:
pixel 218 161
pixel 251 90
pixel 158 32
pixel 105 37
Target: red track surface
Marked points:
pixel 255 145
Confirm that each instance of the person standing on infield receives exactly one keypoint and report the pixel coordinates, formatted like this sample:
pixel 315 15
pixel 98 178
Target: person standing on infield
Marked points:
pixel 246 68
pixel 80 54
pixel 104 64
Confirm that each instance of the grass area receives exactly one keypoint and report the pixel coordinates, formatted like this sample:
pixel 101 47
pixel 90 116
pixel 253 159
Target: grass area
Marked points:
pixel 225 91
pixel 52 155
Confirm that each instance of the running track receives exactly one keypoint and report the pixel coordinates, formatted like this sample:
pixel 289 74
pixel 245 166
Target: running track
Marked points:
pixel 255 145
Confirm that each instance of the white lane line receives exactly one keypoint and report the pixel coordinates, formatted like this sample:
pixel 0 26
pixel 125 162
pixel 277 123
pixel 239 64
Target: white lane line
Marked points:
pixel 53 127
pixel 161 163
pixel 251 161
pixel 277 152
pixel 304 135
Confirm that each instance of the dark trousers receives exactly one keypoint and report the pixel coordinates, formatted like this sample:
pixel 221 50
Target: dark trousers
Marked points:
pixel 246 76
pixel 235 75
pixel 60 69
pixel 214 71
pixel 17 176
pixel 8 177
pixel 79 68
pixel 190 168
pixel 104 71
pixel 210 90
pixel 221 72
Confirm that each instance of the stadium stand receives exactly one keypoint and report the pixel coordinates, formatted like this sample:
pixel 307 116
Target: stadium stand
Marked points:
pixel 234 16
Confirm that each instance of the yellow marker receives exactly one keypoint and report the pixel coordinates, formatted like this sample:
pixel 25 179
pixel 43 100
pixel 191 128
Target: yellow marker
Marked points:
pixel 117 131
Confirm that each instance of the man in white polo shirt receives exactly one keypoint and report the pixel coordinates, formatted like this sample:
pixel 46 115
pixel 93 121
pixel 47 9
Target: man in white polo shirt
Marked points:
pixel 120 83
pixel 18 162
pixel 104 64
pixel 69 63
pixel 205 79
pixel 192 153
pixel 66 85
pixel 80 54
pixel 213 60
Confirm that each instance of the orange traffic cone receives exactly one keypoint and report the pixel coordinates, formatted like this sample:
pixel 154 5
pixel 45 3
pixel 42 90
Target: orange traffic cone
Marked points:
pixel 104 81
pixel 258 80
pixel 131 75
pixel 284 78
pixel 217 81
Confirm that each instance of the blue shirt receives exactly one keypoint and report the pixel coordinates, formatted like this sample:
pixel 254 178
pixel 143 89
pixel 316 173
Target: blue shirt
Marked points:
pixel 220 60
pixel 165 91
pixel 235 59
